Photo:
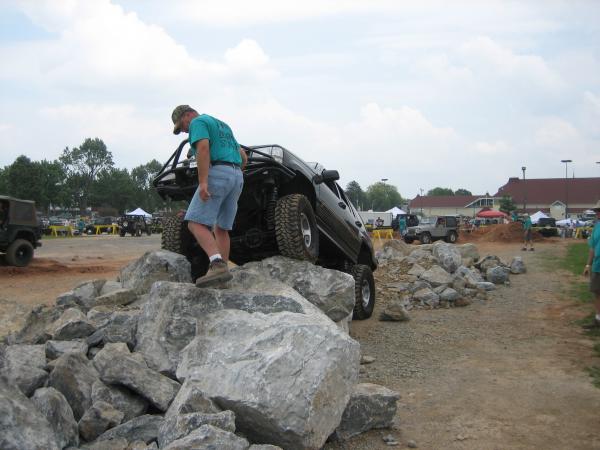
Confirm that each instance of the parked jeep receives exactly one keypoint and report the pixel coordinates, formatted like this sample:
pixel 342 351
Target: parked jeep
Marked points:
pixel 287 207
pixel 546 226
pixel 20 231
pixel 432 229
pixel 134 225
pixel 90 228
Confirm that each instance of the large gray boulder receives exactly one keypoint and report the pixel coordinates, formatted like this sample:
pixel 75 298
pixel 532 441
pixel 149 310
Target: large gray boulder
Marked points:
pixel 167 322
pixel 177 426
pixel 329 290
pixel 117 297
pixel 208 437
pixel 154 266
pixel 394 249
pixel 448 256
pixel 73 376
pixel 471 276
pixel 36 323
pixel 191 398
pixel 23 365
pixel 497 274
pixel 55 408
pixel 488 262
pixel 72 324
pixel 119 326
pixel 517 265
pixel 436 276
pixel 370 406
pixel 468 253
pixel 97 419
pixel 116 365
pixel 82 296
pixel 427 297
pixel 143 428
pixel 121 398
pixel 55 349
pixel 22 425
pixel 286 376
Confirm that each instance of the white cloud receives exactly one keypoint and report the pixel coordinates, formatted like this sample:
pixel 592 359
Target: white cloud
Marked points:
pixel 492 148
pixel 556 133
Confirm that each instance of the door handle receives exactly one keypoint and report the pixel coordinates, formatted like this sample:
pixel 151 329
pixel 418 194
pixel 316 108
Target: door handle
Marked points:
pixel 358 223
pixel 342 205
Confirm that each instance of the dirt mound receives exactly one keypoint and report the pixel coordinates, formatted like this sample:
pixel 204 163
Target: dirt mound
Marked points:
pixel 510 232
pixel 49 266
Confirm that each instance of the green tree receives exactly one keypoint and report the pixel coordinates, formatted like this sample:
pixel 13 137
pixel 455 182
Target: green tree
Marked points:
pixel 382 196
pixel 3 181
pixel 356 195
pixel 462 192
pixel 439 191
pixel 114 188
pixel 146 196
pixel 83 164
pixel 506 204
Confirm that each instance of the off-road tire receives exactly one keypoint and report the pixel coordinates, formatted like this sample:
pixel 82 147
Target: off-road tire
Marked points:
pixel 178 239
pixel 425 238
pixel 409 240
pixel 452 237
pixel 291 214
pixel 19 253
pixel 363 282
pixel 122 233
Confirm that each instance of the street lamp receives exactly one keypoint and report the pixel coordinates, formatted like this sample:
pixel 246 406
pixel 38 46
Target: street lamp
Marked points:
pixel 421 190
pixel 566 161
pixel 524 190
pixel 384 190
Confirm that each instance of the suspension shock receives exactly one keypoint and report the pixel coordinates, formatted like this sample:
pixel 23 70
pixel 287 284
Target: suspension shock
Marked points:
pixel 270 212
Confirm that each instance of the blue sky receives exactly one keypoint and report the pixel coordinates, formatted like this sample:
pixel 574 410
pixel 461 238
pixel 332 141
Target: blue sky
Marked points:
pixel 421 93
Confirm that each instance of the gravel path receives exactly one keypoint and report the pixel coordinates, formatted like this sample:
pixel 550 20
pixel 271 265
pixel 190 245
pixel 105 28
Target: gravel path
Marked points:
pixel 497 374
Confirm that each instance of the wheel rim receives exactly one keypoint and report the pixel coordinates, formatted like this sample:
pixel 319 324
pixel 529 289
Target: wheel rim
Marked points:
pixel 22 254
pixel 305 229
pixel 365 291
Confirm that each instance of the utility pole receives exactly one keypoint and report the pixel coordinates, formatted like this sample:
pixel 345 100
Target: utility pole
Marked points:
pixel 421 190
pixel 566 162
pixel 524 190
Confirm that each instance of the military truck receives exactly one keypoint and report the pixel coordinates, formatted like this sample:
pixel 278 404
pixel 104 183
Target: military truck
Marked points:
pixel 432 229
pixel 20 231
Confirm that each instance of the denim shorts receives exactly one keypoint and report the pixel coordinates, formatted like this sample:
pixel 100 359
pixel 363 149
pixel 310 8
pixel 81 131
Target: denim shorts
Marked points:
pixel 225 185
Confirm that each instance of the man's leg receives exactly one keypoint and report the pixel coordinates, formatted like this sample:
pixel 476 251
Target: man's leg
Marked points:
pixel 222 241
pixel 204 237
pixel 597 306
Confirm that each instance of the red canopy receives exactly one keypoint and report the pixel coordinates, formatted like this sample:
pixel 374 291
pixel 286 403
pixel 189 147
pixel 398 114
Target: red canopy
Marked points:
pixel 490 213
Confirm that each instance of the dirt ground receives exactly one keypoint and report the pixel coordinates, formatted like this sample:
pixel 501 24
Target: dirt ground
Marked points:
pixel 504 373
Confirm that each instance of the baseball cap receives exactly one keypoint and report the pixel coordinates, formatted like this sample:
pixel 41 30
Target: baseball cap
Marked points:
pixel 176 116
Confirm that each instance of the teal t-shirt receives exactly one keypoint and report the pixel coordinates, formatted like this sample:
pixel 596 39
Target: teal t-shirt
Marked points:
pixel 527 224
pixel 594 242
pixel 223 146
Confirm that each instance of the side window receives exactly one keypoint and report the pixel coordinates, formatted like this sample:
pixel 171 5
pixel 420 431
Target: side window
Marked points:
pixel 333 187
pixel 345 199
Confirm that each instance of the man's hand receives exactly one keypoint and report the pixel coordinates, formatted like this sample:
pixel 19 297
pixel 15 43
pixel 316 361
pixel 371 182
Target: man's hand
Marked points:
pixel 586 270
pixel 204 194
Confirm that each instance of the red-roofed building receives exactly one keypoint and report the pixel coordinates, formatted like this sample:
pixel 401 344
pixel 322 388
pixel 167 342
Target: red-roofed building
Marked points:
pixel 551 195
pixel 450 205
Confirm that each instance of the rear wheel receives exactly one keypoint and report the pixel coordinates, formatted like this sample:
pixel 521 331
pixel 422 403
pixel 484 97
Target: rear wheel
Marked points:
pixel 19 253
pixel 452 237
pixel 364 292
pixel 296 228
pixel 177 238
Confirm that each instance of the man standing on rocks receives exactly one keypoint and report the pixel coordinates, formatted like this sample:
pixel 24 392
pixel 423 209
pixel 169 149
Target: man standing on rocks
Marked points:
pixel 592 267
pixel 527 233
pixel 212 210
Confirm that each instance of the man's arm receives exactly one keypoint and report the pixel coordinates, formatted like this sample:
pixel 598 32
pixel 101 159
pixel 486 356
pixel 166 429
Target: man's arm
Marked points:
pixel 244 158
pixel 203 162
pixel 588 265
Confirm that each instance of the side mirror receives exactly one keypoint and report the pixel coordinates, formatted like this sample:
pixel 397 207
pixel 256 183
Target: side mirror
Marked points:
pixel 327 175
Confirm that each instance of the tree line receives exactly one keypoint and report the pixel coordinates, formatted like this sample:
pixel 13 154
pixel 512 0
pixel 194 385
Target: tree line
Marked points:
pixel 82 177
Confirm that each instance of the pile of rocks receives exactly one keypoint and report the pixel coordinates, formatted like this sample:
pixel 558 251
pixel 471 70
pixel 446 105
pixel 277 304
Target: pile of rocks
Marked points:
pixel 436 276
pixel 151 361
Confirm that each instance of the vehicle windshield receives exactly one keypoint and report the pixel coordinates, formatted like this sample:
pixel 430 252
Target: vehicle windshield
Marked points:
pixel 427 221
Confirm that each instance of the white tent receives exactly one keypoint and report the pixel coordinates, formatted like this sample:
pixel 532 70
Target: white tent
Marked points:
pixel 565 222
pixel 535 218
pixel 138 212
pixel 395 211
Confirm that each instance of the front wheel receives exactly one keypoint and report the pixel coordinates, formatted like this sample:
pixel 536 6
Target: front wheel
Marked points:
pixel 19 253
pixel 296 228
pixel 364 292
pixel 452 237
pixel 408 240
pixel 177 238
pixel 425 238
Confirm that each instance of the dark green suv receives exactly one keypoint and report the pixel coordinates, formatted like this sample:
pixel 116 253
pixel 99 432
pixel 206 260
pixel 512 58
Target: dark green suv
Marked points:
pixel 20 231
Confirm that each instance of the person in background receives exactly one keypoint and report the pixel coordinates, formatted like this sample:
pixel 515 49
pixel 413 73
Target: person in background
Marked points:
pixel 592 267
pixel 402 225
pixel 379 222
pixel 527 233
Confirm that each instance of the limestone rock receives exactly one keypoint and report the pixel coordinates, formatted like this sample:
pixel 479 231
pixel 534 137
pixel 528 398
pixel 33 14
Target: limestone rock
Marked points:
pixel 116 365
pixel 83 295
pixel 329 290
pixel 427 297
pixel 73 376
pixel 418 285
pixel 471 276
pixel 416 270
pixel 268 371
pixel 191 398
pixel 394 249
pixel 436 276
pixel 487 262
pixel 486 286
pixel 34 328
pixel 23 365
pixel 517 265
pixel 144 428
pixel 396 311
pixel 118 297
pixel 370 406
pixel 153 266
pixel 119 326
pixel 109 444
pixel 449 295
pixel 497 274
pixel 22 426
pixel 72 324
pixel 448 256
pixel 55 349
pixel 264 447
pixel 208 437
pixel 178 426
pixel 167 322
pixel 121 398
pixel 423 258
pixel 55 408
pixel 97 419
pixel 469 254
